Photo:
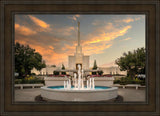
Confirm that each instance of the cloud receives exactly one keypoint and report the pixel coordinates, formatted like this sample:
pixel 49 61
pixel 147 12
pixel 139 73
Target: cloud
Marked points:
pixel 128 20
pixel 23 30
pixel 55 51
pixel 108 36
pixel 64 31
pixel 56 45
pixel 48 53
pixel 39 22
pixel 96 22
pixel 102 38
pixel 127 39
pixel 138 18
pixel 95 49
pixel 74 17
pixel 51 47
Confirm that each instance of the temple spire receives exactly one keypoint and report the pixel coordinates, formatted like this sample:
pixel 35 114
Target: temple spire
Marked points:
pixel 79 47
pixel 78 33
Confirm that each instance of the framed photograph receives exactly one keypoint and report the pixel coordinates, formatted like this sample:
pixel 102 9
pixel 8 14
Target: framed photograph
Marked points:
pixel 76 58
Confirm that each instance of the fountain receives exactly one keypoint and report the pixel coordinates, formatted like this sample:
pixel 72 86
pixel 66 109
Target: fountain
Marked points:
pixel 79 91
pixel 79 82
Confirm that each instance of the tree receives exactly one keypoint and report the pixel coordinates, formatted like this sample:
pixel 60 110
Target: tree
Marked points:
pixel 132 62
pixel 100 72
pixel 63 68
pixel 26 58
pixel 55 72
pixel 95 65
pixel 94 68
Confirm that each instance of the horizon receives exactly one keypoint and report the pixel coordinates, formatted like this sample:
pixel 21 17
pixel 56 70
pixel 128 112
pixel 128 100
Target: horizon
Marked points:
pixel 104 37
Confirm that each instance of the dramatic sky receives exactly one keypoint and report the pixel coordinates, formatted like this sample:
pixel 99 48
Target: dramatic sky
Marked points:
pixel 103 37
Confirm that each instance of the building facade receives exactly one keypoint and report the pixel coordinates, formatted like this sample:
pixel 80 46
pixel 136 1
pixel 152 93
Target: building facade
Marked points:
pixel 45 71
pixel 78 57
pixel 113 70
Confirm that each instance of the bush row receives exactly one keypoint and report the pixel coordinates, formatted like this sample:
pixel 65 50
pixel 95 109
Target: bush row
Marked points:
pixel 128 80
pixel 29 80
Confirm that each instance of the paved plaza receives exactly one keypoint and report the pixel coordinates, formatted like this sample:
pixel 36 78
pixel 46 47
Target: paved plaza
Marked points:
pixel 128 94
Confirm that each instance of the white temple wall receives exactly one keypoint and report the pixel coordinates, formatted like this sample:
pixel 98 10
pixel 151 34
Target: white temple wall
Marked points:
pixel 71 62
pixel 112 70
pixel 85 62
pixel 44 71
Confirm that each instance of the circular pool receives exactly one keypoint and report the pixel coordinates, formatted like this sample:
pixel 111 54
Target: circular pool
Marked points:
pixel 59 93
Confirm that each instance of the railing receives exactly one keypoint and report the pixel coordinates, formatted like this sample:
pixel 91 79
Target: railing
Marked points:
pixel 129 85
pixel 28 85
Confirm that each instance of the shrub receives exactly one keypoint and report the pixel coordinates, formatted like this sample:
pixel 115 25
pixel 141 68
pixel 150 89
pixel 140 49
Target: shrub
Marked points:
pixel 29 80
pixel 63 73
pixel 18 81
pixel 117 81
pixel 123 81
pixel 142 82
pixel 129 80
pixel 33 73
pixel 94 73
pixel 55 72
pixel 100 72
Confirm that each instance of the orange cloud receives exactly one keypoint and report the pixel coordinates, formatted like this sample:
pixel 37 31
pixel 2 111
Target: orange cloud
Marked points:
pixel 51 47
pixel 70 48
pixel 24 30
pixel 66 31
pixel 94 49
pixel 48 54
pixel 106 37
pixel 128 20
pixel 127 39
pixel 39 22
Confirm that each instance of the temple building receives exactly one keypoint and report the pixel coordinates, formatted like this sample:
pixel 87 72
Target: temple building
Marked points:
pixel 79 57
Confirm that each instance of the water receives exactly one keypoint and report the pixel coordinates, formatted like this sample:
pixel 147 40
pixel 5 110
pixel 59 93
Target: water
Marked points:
pixel 85 88
pixel 79 81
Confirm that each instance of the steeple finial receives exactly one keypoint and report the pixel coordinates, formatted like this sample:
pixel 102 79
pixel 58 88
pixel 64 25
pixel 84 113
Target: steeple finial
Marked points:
pixel 78 33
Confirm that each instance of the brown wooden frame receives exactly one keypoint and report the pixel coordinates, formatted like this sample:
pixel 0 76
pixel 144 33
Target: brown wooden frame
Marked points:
pixel 149 7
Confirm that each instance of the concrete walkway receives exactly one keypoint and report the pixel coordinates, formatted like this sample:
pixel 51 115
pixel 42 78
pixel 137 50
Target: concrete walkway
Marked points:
pixel 128 94
pixel 131 94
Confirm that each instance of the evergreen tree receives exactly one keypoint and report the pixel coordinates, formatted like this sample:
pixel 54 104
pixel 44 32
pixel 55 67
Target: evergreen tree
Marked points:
pixel 63 68
pixel 95 65
pixel 94 68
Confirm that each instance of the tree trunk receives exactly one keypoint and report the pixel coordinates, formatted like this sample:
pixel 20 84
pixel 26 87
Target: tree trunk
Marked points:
pixel 132 74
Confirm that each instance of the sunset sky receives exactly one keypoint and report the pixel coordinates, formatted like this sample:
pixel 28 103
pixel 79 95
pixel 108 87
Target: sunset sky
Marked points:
pixel 103 37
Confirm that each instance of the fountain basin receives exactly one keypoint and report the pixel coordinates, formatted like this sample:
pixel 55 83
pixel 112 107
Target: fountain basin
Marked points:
pixel 58 93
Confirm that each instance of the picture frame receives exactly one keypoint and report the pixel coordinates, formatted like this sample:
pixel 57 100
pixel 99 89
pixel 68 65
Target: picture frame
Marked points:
pixel 150 8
